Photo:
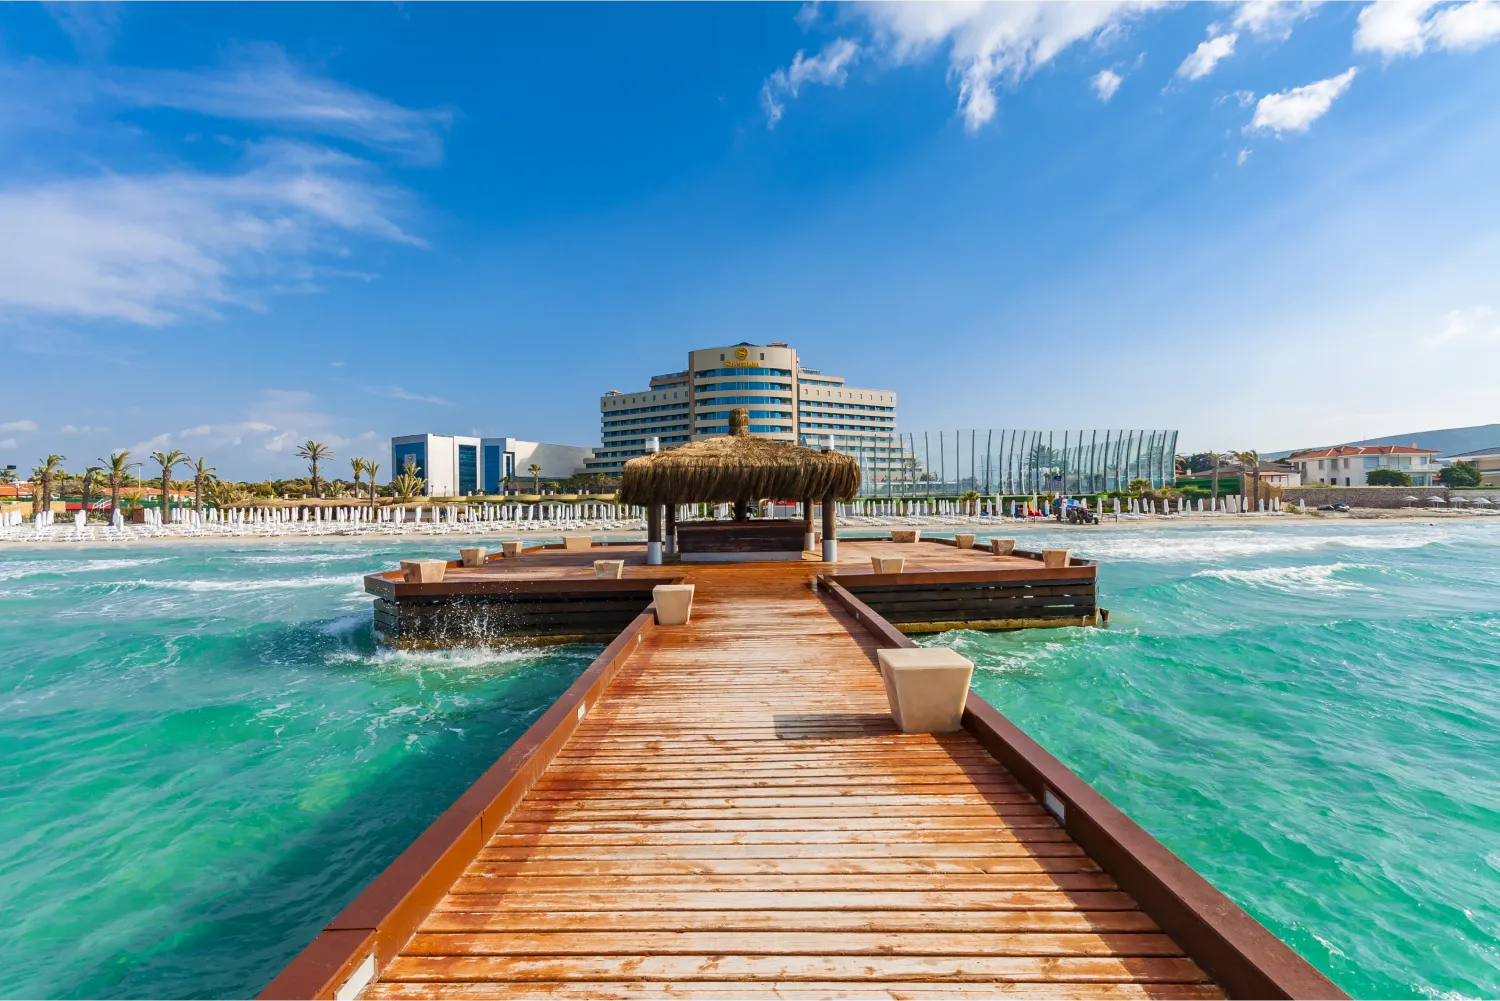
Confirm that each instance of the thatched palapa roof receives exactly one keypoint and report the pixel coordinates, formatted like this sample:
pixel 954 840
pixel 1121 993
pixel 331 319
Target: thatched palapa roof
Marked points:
pixel 738 468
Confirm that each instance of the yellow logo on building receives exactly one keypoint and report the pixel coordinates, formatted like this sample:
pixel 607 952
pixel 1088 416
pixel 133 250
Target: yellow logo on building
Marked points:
pixel 741 353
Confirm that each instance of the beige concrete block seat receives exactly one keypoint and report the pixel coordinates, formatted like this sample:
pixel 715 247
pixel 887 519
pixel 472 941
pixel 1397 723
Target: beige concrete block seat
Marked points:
pixel 511 550
pixel 423 571
pixel 577 543
pixel 888 564
pixel 613 569
pixel 1002 547
pixel 927 687
pixel 674 604
pixel 963 540
pixel 907 535
pixel 1054 559
pixel 471 556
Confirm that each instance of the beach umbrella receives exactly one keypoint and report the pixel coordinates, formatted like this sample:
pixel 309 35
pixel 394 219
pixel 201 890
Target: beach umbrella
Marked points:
pixel 1409 499
pixel 1482 500
pixel 1436 500
pixel 1460 500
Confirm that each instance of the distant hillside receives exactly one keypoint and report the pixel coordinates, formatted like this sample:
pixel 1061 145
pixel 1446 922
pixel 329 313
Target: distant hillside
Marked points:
pixel 1448 441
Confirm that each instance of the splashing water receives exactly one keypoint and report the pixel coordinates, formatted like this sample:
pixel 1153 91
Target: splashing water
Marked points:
pixel 1309 715
pixel 204 756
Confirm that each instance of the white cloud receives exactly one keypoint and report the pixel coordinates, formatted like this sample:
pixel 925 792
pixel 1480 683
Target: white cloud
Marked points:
pixel 92 26
pixel 986 43
pixel 1392 28
pixel 1476 324
pixel 1239 160
pixel 85 429
pixel 1295 110
pixel 1105 83
pixel 260 84
pixel 1201 62
pixel 1409 27
pixel 8 443
pixel 1271 19
pixel 18 426
pixel 397 393
pixel 1467 25
pixel 149 249
pixel 829 67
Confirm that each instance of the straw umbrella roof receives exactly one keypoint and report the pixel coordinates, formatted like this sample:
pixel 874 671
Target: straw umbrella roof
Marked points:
pixel 738 468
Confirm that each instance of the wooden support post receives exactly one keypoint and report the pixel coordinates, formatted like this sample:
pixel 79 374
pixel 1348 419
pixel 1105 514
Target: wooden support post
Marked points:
pixel 830 531
pixel 741 510
pixel 653 535
pixel 670 539
pixel 809 539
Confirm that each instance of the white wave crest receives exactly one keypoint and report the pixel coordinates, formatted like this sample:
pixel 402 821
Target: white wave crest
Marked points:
pixel 37 568
pixel 1316 579
pixel 1175 547
pixel 278 584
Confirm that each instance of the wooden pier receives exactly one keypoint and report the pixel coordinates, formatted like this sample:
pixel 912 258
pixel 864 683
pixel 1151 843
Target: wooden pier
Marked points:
pixel 725 810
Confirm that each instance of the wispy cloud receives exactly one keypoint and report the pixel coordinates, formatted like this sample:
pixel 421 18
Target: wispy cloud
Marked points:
pixel 18 426
pixel 1295 110
pixel 1202 60
pixel 152 249
pixel 92 26
pixel 397 393
pixel 1397 28
pixel 1476 324
pixel 8 443
pixel 1272 19
pixel 260 84
pixel 1105 83
pixel 987 44
pixel 829 67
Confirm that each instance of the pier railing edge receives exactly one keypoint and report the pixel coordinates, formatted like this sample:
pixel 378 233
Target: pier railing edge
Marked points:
pixel 1240 953
pixel 352 948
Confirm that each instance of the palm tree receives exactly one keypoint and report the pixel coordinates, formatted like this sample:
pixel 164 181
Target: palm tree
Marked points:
pixel 117 465
pixel 202 473
pixel 373 468
pixel 408 484
pixel 1216 480
pixel 169 461
pixel 88 489
pixel 1250 462
pixel 970 501
pixel 313 452
pixel 358 465
pixel 45 476
pixel 536 477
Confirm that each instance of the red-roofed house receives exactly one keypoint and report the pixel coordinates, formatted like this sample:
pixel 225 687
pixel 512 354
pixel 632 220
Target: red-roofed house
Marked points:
pixel 1348 465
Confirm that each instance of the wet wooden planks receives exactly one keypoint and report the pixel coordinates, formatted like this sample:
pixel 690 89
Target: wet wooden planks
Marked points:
pixel 737 817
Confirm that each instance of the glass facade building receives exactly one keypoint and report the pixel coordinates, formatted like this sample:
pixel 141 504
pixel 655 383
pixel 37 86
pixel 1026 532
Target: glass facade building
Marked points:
pixel 1005 461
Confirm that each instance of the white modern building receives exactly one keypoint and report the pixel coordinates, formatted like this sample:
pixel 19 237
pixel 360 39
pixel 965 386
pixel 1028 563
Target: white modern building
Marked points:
pixel 1348 465
pixel 457 466
pixel 786 400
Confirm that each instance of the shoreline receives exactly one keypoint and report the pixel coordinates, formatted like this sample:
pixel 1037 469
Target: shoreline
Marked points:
pixel 1108 522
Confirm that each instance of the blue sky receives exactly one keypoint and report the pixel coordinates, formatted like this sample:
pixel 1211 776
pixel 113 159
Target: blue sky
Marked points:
pixel 228 228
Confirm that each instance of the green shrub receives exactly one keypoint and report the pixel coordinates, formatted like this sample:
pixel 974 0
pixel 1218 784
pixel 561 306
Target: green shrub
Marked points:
pixel 1388 478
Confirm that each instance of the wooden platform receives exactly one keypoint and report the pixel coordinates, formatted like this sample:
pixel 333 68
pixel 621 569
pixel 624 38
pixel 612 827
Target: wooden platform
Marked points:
pixel 724 809
pixel 552 594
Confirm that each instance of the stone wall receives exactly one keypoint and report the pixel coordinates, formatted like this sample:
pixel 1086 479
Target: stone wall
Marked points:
pixel 1364 496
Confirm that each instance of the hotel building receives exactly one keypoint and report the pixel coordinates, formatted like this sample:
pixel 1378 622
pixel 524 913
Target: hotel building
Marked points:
pixel 786 400
pixel 1349 465
pixel 457 466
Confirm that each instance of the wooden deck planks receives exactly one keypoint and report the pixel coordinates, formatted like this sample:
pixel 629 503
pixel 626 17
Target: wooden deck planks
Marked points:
pixel 737 817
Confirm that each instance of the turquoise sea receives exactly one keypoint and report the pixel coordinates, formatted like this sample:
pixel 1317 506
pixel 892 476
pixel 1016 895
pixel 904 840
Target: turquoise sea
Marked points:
pixel 203 755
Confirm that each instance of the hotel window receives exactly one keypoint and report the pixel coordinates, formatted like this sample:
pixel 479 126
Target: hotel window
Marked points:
pixel 417 453
pixel 468 469
pixel 492 469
